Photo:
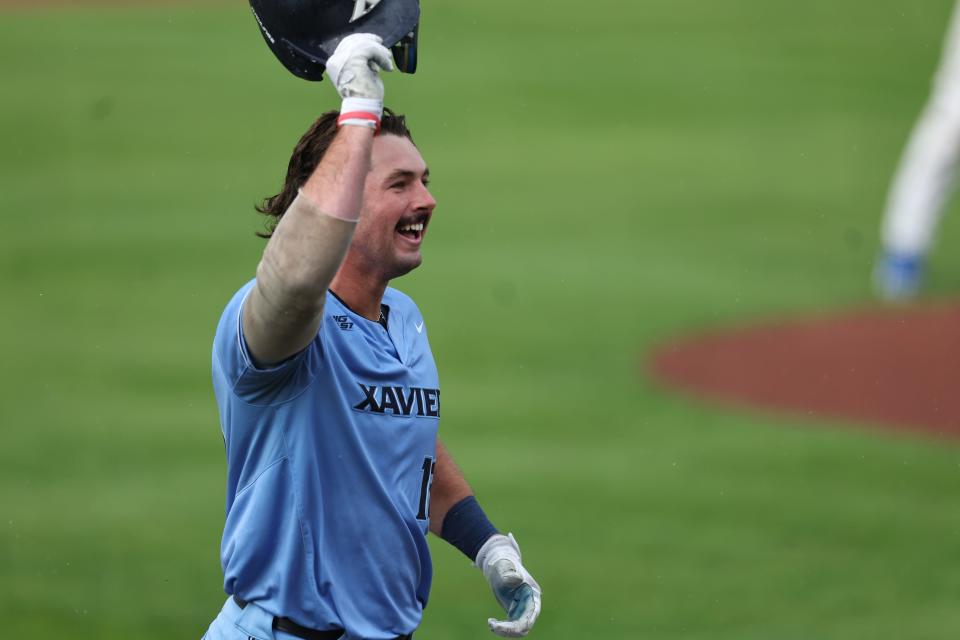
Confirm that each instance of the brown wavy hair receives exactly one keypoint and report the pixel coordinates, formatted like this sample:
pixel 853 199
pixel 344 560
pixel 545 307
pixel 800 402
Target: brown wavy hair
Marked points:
pixel 307 155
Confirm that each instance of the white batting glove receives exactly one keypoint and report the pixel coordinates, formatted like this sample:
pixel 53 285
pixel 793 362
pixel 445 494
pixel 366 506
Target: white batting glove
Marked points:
pixel 515 589
pixel 354 70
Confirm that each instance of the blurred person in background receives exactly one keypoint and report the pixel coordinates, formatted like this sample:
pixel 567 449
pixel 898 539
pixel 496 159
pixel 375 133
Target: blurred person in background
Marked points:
pixel 923 182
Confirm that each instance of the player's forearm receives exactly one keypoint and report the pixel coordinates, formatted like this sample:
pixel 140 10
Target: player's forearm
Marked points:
pixel 336 185
pixel 448 488
pixel 455 514
pixel 306 249
pixel 312 237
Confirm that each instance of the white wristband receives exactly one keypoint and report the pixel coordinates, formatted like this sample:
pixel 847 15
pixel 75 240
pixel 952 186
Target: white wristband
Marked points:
pixel 360 112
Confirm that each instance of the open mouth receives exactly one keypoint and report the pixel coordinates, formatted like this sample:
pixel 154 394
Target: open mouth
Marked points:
pixel 412 229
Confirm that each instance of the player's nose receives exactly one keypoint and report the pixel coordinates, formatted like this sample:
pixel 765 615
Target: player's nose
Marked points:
pixel 424 200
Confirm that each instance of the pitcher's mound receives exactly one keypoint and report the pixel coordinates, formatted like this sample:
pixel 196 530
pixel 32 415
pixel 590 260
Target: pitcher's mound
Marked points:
pixel 894 366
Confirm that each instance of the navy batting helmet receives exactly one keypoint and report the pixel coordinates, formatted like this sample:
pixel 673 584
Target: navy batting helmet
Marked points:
pixel 304 33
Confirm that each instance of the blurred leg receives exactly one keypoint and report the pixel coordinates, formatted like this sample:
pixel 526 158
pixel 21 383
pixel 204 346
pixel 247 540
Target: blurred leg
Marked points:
pixel 925 177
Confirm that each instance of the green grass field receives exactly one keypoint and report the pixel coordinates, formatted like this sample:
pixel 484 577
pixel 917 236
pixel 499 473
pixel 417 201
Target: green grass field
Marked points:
pixel 606 181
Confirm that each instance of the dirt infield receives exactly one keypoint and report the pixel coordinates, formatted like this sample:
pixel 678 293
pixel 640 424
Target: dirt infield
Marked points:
pixel 893 367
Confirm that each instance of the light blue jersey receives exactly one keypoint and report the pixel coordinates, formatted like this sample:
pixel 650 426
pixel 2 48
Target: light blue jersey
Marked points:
pixel 330 456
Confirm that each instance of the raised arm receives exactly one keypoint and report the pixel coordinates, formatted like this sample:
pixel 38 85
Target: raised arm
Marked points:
pixel 283 311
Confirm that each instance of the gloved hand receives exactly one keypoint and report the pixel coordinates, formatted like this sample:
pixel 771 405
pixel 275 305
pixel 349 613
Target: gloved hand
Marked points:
pixel 353 67
pixel 515 589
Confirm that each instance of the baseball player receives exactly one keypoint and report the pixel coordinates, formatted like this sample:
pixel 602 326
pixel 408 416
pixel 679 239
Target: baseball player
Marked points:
pixel 330 402
pixel 923 181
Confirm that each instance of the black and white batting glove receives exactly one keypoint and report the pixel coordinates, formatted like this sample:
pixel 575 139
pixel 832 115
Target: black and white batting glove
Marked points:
pixel 354 70
pixel 515 589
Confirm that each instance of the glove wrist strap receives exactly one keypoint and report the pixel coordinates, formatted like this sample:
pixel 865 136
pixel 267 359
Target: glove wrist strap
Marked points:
pixel 360 112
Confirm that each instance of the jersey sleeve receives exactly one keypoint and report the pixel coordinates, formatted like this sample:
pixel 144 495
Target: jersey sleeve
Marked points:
pixel 234 369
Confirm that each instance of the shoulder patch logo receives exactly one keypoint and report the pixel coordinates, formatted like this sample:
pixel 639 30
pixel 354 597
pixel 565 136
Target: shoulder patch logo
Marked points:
pixel 343 322
pixel 419 326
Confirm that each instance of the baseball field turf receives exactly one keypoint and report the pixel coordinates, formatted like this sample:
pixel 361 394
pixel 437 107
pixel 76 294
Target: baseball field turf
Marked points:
pixel 610 175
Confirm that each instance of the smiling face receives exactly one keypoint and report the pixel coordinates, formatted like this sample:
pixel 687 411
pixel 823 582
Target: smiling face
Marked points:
pixel 397 207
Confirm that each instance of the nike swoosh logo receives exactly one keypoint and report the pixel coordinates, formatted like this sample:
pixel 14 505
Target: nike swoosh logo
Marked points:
pixel 420 327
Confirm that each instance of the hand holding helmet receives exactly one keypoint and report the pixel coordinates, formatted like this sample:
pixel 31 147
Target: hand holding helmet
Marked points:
pixel 353 67
pixel 354 71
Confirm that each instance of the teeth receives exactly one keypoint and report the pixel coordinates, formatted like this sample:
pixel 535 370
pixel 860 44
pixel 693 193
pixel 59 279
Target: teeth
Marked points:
pixel 412 227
